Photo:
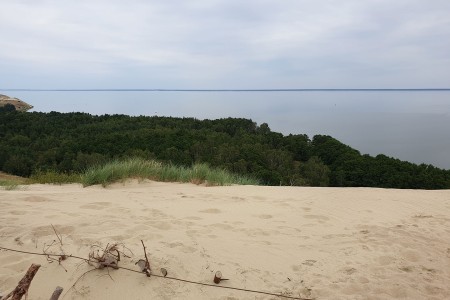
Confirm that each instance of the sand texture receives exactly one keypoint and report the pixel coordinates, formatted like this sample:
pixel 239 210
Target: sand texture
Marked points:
pixel 322 243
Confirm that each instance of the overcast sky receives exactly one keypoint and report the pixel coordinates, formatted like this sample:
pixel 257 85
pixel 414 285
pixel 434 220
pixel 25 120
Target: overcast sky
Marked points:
pixel 208 44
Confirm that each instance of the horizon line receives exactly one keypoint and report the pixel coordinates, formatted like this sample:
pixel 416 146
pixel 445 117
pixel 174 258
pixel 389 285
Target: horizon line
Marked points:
pixel 235 90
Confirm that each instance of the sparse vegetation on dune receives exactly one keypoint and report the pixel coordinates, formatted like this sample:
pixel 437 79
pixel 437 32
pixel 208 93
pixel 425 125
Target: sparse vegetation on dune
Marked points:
pixel 149 169
pixel 10 182
pixel 54 177
pixel 123 169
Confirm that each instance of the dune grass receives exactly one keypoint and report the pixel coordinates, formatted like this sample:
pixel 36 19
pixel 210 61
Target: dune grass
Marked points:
pixel 120 170
pixel 10 182
pixel 128 168
pixel 9 185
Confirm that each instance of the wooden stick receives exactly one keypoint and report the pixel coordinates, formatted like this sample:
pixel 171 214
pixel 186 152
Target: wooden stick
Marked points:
pixel 24 284
pixel 56 293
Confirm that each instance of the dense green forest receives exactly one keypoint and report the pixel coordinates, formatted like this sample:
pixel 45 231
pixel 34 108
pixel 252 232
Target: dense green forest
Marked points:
pixel 70 142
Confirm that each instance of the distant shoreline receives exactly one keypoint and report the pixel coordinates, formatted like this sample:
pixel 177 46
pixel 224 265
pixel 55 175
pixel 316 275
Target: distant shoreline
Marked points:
pixel 239 90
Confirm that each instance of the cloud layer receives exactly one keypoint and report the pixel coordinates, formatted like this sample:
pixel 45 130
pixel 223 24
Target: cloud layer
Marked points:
pixel 230 43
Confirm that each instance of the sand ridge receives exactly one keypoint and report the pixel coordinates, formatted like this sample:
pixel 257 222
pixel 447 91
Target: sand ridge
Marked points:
pixel 326 243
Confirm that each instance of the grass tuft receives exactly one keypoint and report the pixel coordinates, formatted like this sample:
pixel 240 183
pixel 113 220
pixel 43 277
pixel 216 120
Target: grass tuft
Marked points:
pixel 9 185
pixel 120 170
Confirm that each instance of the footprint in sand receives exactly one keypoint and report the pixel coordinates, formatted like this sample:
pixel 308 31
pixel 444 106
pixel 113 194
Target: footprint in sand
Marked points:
pixel 411 255
pixel 160 225
pixel 181 246
pixel 211 211
pixel 317 217
pixel 193 218
pixel 42 231
pixel 296 268
pixel 385 260
pixel 36 199
pixel 309 262
pixel 264 216
pixel 17 212
pixel 222 226
pixel 349 271
pixel 407 269
pixel 96 205
pixel 197 233
pixel 120 210
pixel 184 195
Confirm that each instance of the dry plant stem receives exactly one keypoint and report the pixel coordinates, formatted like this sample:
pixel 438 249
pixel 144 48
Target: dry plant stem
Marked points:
pixel 148 270
pixel 76 281
pixel 57 235
pixel 44 249
pixel 24 284
pixel 61 257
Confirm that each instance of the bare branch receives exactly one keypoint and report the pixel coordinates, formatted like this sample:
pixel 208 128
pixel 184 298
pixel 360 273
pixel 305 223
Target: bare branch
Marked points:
pixel 57 235
pixel 147 269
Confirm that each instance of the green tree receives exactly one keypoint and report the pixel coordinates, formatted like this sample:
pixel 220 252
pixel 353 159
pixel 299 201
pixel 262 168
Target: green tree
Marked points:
pixel 315 172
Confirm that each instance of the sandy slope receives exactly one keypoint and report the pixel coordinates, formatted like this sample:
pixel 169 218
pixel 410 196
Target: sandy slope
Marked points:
pixel 326 243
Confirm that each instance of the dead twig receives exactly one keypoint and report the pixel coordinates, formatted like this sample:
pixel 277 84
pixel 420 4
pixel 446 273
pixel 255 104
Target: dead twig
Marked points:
pixel 147 268
pixel 57 235
pixel 78 279
pixel 50 259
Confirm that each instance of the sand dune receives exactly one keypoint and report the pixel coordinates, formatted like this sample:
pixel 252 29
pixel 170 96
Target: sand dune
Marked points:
pixel 322 243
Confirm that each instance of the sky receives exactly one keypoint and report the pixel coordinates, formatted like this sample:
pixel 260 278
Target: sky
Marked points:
pixel 230 44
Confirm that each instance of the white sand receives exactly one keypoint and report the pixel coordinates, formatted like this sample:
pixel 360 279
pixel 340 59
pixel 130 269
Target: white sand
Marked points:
pixel 323 243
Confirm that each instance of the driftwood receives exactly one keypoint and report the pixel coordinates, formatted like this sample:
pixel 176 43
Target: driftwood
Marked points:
pixel 56 293
pixel 24 284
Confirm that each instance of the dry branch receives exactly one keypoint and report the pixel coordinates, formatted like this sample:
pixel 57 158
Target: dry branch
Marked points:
pixel 24 284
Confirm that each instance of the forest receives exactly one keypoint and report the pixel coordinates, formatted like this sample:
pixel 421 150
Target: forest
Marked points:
pixel 71 142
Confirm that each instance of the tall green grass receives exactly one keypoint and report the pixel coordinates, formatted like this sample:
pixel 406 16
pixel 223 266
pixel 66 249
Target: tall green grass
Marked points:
pixel 120 170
